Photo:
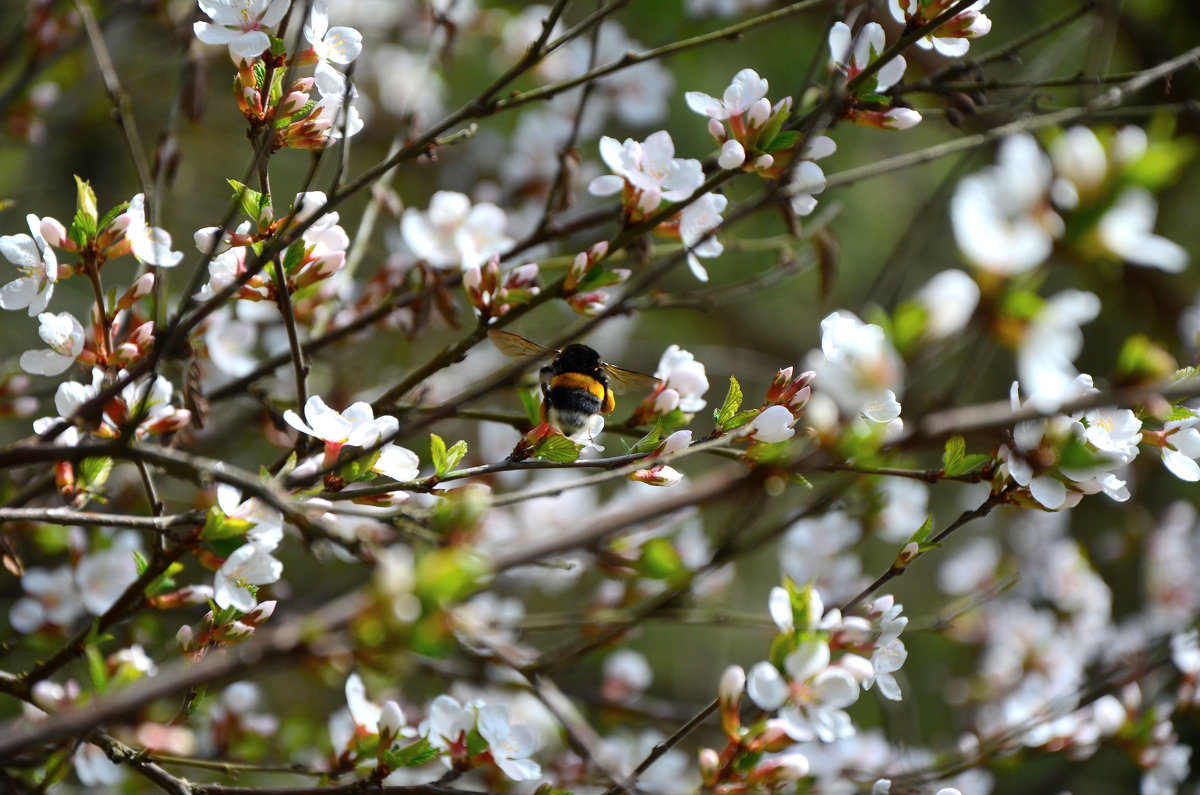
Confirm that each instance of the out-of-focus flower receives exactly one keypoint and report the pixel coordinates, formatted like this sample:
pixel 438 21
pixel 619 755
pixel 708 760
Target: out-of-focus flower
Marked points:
pixel 1001 216
pixel 627 674
pixel 1127 230
pixel 949 300
pixel 453 233
pixel 1050 345
pixel 104 575
pixel 858 368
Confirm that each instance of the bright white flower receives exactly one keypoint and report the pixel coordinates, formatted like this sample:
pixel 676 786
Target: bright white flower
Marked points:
pixel 1182 448
pixel 808 660
pixel 1114 431
pixel 1127 230
pixel 650 168
pixel 779 605
pixel 949 300
pixel 1053 340
pixel 1001 218
pixel 240 24
pixel 249 564
pixel 452 232
pixel 807 177
pixel 364 712
pixel 149 244
pixel 766 686
pixel 886 660
pixel 824 717
pixel 732 155
pixel 853 53
pixel 64 334
pixel 266 523
pixel 684 380
pixel 952 39
pixel 38 266
pixel 745 89
pixel 772 425
pixel 448 722
pixel 858 367
pixel 355 426
pixel 510 746
pixel 398 463
pixel 695 222
pixel 339 45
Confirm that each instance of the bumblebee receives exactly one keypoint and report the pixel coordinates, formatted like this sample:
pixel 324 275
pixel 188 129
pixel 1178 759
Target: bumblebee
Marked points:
pixel 577 388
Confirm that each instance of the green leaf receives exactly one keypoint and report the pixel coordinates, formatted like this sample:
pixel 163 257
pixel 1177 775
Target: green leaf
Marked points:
pixel 740 419
pixel 85 202
pixel 251 201
pixel 660 560
pixel 111 215
pixel 293 257
pixel 770 131
pixel 96 667
pixel 532 403
pixel 414 755
pixel 359 469
pixel 437 451
pixel 796 477
pixel 558 449
pixel 922 533
pixel 783 140
pixel 475 743
pixel 93 473
pixel 218 526
pixel 1180 413
pixel 733 402
pixel 455 454
pixel 956 450
pixel 649 442
pixel 142 564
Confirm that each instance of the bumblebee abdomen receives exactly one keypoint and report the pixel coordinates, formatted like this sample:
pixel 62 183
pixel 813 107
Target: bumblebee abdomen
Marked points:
pixel 580 381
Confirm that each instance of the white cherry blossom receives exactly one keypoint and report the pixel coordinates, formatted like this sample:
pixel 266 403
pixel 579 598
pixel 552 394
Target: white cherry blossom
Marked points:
pixel 854 53
pixel 696 221
pixel 64 334
pixel 1127 230
pixel 356 426
pixel 1181 449
pixel 1052 342
pixel 745 89
pixel 650 169
pixel 149 244
pixel 509 745
pixel 249 564
pixel 339 44
pixel 240 24
pixel 684 381
pixel 38 266
pixel 858 367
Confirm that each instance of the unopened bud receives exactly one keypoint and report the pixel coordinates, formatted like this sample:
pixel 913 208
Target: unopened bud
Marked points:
pixel 759 112
pixel 53 231
pixel 907 555
pixel 140 289
pixel 185 636
pixel 391 720
pixel 716 130
pixel 733 684
pixel 661 475
pixel 260 613
pixel 710 766
pixel 781 770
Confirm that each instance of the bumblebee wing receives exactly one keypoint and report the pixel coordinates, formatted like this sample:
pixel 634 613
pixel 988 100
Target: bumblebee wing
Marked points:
pixel 621 379
pixel 518 347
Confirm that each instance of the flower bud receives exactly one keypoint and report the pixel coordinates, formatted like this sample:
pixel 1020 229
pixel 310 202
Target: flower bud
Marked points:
pixel 716 130
pixel 759 113
pixel 661 475
pixel 710 766
pixel 733 154
pixel 53 231
pixel 858 666
pixel 140 289
pixel 391 720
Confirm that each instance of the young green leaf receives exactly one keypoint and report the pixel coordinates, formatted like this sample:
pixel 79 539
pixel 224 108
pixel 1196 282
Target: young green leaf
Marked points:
pixel 557 448
pixel 414 755
pixel 437 451
pixel 733 402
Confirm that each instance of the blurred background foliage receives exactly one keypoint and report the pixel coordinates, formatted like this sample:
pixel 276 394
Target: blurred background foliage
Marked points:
pixel 889 234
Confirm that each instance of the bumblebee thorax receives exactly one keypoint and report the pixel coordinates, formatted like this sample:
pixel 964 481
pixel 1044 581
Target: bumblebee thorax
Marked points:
pixel 576 358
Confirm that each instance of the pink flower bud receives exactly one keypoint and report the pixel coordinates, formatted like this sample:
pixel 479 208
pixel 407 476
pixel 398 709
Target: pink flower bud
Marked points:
pixel 140 289
pixel 292 103
pixel 680 440
pixel 260 613
pixel 53 231
pixel 716 130
pixel 763 162
pixel 661 475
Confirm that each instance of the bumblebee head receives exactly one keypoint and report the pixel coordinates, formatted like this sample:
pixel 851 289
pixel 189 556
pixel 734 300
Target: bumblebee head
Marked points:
pixel 576 358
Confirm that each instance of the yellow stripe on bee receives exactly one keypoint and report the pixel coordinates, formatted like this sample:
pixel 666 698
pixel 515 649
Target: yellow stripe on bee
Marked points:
pixel 579 381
